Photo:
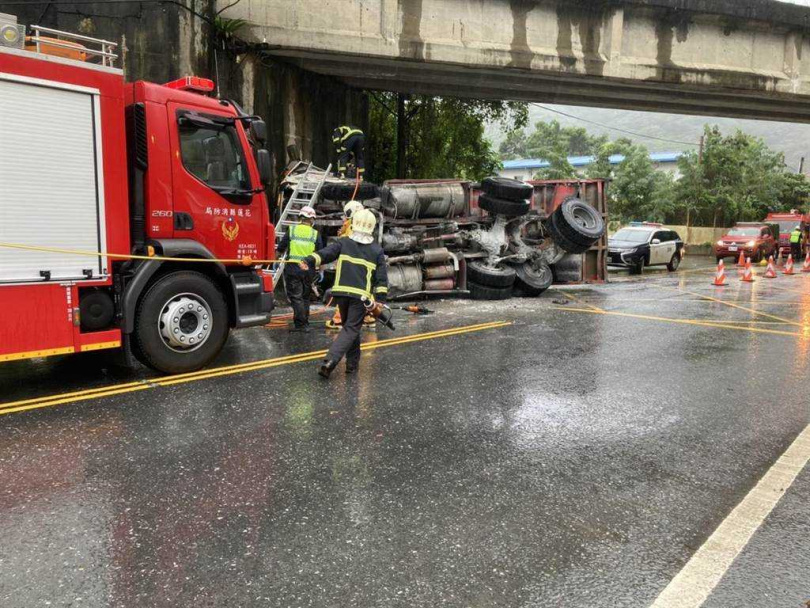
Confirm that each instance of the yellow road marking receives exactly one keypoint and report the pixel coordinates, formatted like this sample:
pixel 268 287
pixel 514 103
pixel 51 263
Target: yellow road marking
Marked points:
pixel 687 321
pixel 731 304
pixel 573 298
pixel 108 391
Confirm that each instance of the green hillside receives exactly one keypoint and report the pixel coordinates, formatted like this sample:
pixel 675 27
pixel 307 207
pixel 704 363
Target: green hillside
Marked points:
pixel 792 139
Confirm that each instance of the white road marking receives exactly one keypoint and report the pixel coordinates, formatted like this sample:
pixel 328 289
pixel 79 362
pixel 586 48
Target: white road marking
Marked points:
pixel 693 584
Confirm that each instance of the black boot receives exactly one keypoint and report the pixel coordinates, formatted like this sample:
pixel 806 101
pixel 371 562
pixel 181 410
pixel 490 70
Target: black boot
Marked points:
pixel 326 368
pixel 351 367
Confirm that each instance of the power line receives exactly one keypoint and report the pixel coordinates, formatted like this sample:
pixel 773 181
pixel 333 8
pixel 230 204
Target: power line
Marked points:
pixel 625 131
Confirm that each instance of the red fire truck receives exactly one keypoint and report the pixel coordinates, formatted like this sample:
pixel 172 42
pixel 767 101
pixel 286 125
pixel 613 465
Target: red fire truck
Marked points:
pixel 92 164
pixel 787 222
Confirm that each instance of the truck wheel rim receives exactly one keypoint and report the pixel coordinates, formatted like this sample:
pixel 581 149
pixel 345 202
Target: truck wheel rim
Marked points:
pixel 185 322
pixel 584 218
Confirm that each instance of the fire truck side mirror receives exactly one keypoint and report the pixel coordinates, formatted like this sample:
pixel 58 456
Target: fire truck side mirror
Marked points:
pixel 265 166
pixel 258 129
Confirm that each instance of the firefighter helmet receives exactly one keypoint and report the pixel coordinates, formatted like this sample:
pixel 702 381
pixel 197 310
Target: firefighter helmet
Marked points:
pixel 363 224
pixel 307 212
pixel 351 208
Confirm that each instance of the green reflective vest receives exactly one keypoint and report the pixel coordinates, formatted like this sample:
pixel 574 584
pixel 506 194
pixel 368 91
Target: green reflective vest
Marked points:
pixel 796 236
pixel 302 241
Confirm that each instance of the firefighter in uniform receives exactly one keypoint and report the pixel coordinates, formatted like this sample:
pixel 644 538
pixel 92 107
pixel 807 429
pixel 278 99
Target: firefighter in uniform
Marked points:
pixel 350 144
pixel 301 241
pixel 346 230
pixel 361 273
pixel 796 242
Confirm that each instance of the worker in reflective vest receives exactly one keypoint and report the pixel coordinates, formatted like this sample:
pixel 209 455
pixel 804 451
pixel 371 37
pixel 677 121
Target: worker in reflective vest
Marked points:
pixel 796 242
pixel 350 144
pixel 360 273
pixel 300 241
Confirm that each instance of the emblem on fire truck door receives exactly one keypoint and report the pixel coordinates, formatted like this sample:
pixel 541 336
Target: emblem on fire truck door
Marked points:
pixel 230 229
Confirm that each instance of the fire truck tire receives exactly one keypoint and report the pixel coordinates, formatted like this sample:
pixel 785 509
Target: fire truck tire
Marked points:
pixel 505 188
pixel 563 239
pixel 344 191
pixel 499 276
pixel 502 206
pixel 533 279
pixel 482 292
pixel 180 308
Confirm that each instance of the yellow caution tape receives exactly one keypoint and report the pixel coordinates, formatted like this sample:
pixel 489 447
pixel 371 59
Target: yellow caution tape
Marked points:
pixel 245 261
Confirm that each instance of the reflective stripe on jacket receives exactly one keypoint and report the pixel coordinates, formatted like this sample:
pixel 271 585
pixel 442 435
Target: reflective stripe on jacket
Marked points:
pixel 302 241
pixel 361 269
pixel 341 134
pixel 796 236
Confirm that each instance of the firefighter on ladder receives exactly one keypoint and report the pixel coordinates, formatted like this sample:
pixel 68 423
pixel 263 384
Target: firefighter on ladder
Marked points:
pixel 300 241
pixel 350 144
pixel 361 273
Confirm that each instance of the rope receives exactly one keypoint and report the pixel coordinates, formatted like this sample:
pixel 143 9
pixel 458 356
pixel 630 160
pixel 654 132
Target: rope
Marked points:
pixel 244 261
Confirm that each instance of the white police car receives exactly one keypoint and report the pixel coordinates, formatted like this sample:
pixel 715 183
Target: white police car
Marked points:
pixel 642 244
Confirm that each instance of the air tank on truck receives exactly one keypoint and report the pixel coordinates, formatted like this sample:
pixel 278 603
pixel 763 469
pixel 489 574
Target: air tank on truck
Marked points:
pixel 131 214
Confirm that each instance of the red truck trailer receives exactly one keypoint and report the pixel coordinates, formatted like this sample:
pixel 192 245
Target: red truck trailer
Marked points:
pixel 90 163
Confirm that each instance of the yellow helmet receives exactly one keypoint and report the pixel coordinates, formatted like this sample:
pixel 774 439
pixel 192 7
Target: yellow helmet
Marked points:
pixel 363 224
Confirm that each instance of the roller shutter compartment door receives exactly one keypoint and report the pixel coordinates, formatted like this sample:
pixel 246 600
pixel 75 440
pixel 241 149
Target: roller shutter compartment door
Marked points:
pixel 51 191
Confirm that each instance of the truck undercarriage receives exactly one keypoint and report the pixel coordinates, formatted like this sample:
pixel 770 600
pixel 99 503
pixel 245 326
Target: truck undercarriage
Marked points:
pixel 487 241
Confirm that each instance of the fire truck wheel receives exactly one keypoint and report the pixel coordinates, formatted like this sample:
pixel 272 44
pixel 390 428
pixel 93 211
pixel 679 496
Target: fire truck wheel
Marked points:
pixel 343 191
pixel 533 279
pixel 504 187
pixel 482 292
pixel 488 276
pixel 181 323
pixel 502 206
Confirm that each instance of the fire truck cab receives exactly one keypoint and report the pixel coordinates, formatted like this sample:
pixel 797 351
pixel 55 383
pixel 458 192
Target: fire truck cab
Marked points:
pixel 93 171
pixel 787 222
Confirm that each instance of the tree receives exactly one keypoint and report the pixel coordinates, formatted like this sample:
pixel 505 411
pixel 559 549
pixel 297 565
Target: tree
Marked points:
pixel 550 138
pixel 634 188
pixel 738 178
pixel 444 136
pixel 795 192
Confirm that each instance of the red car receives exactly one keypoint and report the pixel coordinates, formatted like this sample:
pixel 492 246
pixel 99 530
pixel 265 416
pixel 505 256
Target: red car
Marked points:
pixel 757 240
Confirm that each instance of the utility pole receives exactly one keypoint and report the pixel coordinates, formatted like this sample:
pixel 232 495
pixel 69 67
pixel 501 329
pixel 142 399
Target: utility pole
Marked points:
pixel 801 166
pixel 688 207
pixel 402 130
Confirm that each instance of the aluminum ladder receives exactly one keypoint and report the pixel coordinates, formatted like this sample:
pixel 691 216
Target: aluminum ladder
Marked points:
pixel 305 193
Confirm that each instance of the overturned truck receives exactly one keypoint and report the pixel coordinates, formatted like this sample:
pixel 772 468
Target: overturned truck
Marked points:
pixel 489 241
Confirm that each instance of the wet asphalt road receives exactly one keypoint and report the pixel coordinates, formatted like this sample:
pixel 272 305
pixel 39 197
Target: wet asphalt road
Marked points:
pixel 571 458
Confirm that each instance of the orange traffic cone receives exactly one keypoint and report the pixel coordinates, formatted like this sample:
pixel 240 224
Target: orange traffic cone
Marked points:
pixel 806 265
pixel 748 275
pixel 770 273
pixel 789 265
pixel 741 260
pixel 720 276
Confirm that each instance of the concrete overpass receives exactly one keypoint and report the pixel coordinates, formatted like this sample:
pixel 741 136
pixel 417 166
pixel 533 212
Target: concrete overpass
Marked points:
pixel 739 58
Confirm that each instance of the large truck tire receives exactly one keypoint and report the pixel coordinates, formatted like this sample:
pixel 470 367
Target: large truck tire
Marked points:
pixel 344 191
pixel 506 188
pixel 533 279
pixel 482 292
pixel 502 206
pixel 181 323
pixel 576 226
pixel 562 240
pixel 500 276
